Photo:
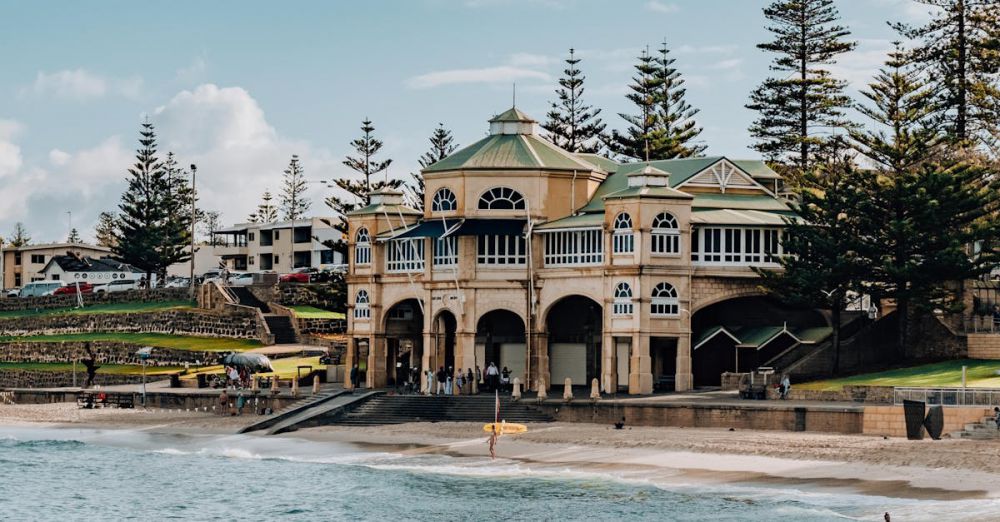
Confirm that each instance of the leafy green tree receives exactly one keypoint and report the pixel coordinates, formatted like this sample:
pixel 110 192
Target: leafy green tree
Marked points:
pixel 800 108
pixel 359 191
pixel 442 145
pixel 960 49
pixel 828 253
pixel 294 204
pixel 104 230
pixel 572 124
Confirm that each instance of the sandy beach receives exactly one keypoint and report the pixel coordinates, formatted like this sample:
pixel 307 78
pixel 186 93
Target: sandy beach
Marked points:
pixel 944 470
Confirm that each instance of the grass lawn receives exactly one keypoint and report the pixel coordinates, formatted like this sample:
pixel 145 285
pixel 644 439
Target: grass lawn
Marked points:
pixel 948 374
pixel 116 308
pixel 107 369
pixel 284 368
pixel 311 312
pixel 177 342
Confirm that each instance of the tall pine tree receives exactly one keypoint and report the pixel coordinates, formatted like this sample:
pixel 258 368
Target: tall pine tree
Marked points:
pixel 801 108
pixel 359 191
pixel 294 204
pixel 442 145
pixel 74 237
pixel 678 129
pixel 266 211
pixel 178 203
pixel 960 48
pixel 19 237
pixel 140 233
pixel 572 124
pixel 104 230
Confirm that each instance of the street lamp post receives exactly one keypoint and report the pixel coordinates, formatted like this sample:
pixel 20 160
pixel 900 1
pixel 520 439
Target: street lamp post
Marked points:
pixel 194 198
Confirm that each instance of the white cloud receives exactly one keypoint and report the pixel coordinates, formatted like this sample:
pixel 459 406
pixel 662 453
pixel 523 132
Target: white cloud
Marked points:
pixel 498 74
pixel 81 85
pixel 10 153
pixel 530 60
pixel 726 65
pixel 58 157
pixel 660 7
pixel 859 66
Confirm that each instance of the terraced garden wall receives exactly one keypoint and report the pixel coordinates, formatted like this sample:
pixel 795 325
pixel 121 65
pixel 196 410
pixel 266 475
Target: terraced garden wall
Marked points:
pixel 14 304
pixel 44 379
pixel 104 353
pixel 235 324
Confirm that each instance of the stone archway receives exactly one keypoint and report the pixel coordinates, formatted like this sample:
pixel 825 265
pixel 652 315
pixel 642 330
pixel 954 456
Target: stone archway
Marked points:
pixel 500 339
pixel 403 327
pixel 443 330
pixel 575 326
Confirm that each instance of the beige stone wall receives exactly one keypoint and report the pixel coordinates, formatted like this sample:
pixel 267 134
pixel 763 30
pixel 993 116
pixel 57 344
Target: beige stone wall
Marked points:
pixel 713 286
pixel 983 346
pixel 889 420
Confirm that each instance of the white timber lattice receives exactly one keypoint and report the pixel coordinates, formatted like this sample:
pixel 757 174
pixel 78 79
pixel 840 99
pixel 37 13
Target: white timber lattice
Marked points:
pixel 723 174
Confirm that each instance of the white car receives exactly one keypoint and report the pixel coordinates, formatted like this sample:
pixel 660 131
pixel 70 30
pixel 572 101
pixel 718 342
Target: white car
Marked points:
pixel 243 279
pixel 40 288
pixel 120 285
pixel 12 292
pixel 179 282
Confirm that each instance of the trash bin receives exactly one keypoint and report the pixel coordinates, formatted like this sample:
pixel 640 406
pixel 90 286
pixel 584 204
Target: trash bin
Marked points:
pixel 913 412
pixel 175 380
pixel 202 381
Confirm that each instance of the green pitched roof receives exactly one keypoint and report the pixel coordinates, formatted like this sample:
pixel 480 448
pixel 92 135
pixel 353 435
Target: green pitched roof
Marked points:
pixel 606 164
pixel 392 210
pixel 649 192
pixel 741 202
pixel 577 221
pixel 512 151
pixel 511 114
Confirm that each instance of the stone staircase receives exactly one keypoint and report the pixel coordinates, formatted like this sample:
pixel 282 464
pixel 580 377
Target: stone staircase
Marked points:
pixel 986 429
pixel 397 409
pixel 246 298
pixel 282 329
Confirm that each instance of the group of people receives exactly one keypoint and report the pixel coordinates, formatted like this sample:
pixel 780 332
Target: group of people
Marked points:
pixel 466 381
pixel 237 378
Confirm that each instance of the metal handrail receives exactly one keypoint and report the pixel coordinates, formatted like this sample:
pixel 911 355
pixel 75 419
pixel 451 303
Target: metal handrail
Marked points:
pixel 948 396
pixel 975 323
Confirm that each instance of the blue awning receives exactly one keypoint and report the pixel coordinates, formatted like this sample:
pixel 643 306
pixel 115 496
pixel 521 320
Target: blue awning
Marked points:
pixel 436 228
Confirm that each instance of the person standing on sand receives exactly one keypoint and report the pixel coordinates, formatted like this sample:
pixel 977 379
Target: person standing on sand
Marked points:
pixel 223 402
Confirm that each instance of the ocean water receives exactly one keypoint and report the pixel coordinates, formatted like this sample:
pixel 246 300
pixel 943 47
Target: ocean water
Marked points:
pixel 69 474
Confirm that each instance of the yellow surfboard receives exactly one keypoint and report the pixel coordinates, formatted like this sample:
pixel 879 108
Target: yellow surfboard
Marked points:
pixel 505 428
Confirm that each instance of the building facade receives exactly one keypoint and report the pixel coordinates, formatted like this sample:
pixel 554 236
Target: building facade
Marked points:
pixel 571 266
pixel 280 247
pixel 25 264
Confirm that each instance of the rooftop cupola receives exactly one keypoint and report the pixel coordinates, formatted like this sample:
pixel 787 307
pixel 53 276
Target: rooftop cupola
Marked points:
pixel 386 196
pixel 513 121
pixel 649 176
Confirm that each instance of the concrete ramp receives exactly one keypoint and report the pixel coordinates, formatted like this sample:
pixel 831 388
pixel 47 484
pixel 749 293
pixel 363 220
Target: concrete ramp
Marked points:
pixel 312 415
pixel 294 409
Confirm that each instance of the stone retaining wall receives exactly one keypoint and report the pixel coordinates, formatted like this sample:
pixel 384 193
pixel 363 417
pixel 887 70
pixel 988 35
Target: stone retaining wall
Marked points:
pixel 14 304
pixel 313 294
pixel 890 422
pixel 337 349
pixel 234 324
pixel 10 378
pixel 983 345
pixel 104 352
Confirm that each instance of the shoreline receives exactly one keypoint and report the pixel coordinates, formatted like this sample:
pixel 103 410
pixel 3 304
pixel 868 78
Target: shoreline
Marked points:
pixel 933 470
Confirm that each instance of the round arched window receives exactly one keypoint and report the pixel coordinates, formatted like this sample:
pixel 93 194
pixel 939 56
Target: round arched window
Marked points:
pixel 444 201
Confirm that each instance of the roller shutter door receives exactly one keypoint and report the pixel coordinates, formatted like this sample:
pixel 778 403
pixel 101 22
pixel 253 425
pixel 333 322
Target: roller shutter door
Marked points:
pixel 568 360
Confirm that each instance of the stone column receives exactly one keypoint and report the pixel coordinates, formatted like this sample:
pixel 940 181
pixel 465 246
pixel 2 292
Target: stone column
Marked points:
pixel 539 359
pixel 465 351
pixel 640 377
pixel 684 378
pixel 376 376
pixel 609 364
pixel 430 343
pixel 349 360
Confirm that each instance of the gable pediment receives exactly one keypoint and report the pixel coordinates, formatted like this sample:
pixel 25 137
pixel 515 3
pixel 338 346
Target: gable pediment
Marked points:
pixel 723 175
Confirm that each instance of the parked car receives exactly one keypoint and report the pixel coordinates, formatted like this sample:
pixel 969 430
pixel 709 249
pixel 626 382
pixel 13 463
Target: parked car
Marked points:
pixel 71 289
pixel 40 288
pixel 212 275
pixel 12 292
pixel 179 282
pixel 120 285
pixel 242 279
pixel 300 275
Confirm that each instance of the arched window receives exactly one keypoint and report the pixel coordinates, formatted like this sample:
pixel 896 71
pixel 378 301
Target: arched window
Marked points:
pixel 623 241
pixel 665 237
pixel 362 247
pixel 501 198
pixel 664 300
pixel 623 299
pixel 361 305
pixel 444 201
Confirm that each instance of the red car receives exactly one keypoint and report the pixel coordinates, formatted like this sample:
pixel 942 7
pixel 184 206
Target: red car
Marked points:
pixel 301 275
pixel 70 289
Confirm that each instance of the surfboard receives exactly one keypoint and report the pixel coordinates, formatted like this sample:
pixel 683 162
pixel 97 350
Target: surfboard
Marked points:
pixel 505 428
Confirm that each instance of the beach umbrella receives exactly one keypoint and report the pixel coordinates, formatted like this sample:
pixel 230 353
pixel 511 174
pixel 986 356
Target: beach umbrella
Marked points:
pixel 255 362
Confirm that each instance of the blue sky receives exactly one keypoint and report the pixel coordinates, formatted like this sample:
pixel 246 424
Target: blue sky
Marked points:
pixel 239 86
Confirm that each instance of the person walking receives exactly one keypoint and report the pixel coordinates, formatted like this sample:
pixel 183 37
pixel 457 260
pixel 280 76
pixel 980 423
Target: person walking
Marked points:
pixel 469 382
pixel 429 388
pixel 492 377
pixel 449 382
pixel 786 386
pixel 479 377
pixel 354 377
pixel 459 377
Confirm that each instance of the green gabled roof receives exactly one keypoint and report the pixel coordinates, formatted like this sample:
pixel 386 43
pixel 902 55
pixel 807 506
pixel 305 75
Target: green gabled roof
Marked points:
pixel 649 192
pixel 392 210
pixel 577 221
pixel 812 335
pixel 511 114
pixel 741 202
pixel 757 169
pixel 512 151
pixel 757 336
pixel 727 216
pixel 607 165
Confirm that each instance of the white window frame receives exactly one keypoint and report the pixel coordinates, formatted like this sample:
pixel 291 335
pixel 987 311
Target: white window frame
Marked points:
pixel 501 194
pixel 665 236
pixel 362 247
pixel 501 251
pixel 362 306
pixel 404 256
pixel 622 304
pixel 583 247
pixel 445 252
pixel 664 301
pixel 623 237
pixel 443 197
pixel 736 246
